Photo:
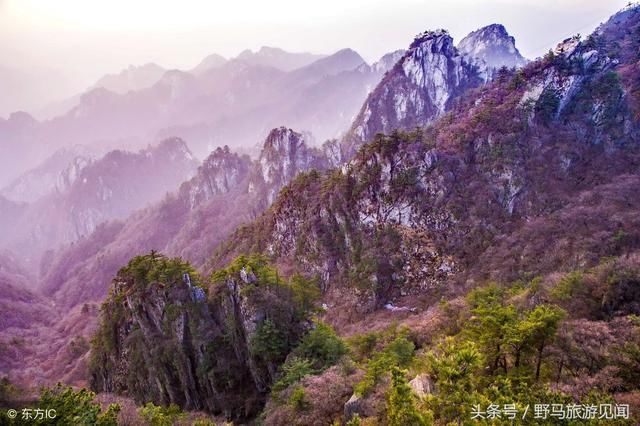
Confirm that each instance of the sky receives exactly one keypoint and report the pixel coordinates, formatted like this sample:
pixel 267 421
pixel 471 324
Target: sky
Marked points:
pixel 81 40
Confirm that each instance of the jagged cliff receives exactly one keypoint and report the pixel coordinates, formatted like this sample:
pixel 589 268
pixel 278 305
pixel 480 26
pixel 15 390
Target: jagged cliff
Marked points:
pixel 415 211
pixel 419 88
pixel 227 190
pixel 491 48
pixel 87 193
pixel 168 336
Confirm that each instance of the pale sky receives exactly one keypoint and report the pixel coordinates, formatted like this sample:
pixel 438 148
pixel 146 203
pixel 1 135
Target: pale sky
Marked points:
pixel 85 39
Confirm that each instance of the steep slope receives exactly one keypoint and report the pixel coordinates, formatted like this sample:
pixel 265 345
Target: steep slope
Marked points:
pixel 210 62
pixel 420 88
pixel 55 174
pixel 21 312
pixel 132 78
pixel 413 212
pixel 11 212
pixel 106 189
pixel 227 190
pixel 277 58
pixel 163 339
pixel 491 48
pixel 235 103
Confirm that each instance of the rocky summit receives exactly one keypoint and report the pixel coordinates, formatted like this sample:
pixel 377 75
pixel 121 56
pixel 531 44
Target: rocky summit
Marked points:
pixel 491 48
pixel 422 85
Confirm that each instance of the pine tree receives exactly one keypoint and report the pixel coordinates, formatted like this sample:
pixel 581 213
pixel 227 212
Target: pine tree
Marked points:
pixel 401 409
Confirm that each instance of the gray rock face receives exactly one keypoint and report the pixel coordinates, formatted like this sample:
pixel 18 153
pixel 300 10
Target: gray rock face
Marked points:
pixel 158 343
pixel 284 155
pixel 419 89
pixel 422 385
pixel 54 175
pixel 388 61
pixel 491 48
pixel 221 173
pixel 352 407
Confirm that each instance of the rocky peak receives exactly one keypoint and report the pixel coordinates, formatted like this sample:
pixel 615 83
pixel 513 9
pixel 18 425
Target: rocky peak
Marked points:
pixel 56 174
pixel 387 61
pixel 416 91
pixel 491 48
pixel 131 78
pixel 212 61
pixel 284 155
pixel 220 173
pixel 173 147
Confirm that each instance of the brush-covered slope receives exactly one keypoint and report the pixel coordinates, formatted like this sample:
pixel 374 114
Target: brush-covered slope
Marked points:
pixel 227 190
pixel 414 211
pixel 92 192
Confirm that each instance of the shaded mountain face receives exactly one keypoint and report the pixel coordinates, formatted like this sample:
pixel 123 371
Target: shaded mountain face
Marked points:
pixel 210 62
pixel 438 209
pixel 19 152
pixel 420 88
pixel 88 194
pixel 227 190
pixel 277 58
pixel 491 48
pixel 54 175
pixel 207 351
pixel 132 78
pixel 237 102
pixel 22 312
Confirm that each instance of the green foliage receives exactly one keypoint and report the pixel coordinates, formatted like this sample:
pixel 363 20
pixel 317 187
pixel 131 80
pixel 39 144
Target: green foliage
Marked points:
pixel 8 390
pixel 398 353
pixel 321 346
pixel 297 399
pixel 401 408
pixel 292 371
pixel 156 415
pixel 319 349
pixel 508 334
pixel 567 285
pixel 355 421
pixel 547 105
pixel 154 267
pixel 362 345
pixel 269 342
pixel 455 366
pixel 306 293
pixel 77 407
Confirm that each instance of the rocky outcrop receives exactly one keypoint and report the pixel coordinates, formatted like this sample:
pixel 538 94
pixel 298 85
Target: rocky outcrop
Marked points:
pixel 353 407
pixel 159 342
pixel 54 175
pixel 285 154
pixel 491 48
pixel 221 173
pixel 89 193
pixel 420 88
pixel 414 211
pixel 422 385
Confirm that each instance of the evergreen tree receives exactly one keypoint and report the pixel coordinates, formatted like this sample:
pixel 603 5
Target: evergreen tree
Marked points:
pixel 401 409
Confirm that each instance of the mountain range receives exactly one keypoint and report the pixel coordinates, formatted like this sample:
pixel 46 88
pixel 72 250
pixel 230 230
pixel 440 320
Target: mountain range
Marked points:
pixel 470 222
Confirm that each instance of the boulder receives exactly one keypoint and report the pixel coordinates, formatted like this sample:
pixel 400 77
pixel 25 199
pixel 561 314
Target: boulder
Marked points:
pixel 422 385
